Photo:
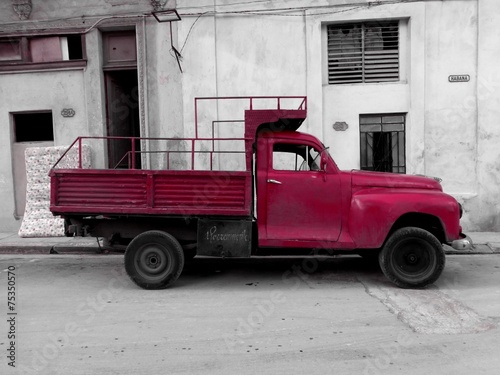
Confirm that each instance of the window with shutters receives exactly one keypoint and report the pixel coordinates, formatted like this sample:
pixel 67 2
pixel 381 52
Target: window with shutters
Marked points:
pixel 363 52
pixel 383 142
pixel 42 52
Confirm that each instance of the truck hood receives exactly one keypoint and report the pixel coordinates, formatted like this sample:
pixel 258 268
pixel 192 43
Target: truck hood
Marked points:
pixel 362 179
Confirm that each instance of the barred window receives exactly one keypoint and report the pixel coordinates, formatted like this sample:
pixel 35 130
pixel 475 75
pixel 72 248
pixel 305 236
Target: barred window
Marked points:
pixel 363 52
pixel 382 140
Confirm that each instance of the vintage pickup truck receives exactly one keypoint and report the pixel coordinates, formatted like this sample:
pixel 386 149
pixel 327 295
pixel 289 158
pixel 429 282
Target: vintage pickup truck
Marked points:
pixel 283 191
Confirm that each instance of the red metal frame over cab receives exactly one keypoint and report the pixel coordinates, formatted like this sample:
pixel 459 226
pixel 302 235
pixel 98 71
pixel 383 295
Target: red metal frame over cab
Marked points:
pixel 164 191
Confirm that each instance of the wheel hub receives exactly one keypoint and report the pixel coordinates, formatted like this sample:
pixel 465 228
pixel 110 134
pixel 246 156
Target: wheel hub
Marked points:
pixel 153 261
pixel 412 258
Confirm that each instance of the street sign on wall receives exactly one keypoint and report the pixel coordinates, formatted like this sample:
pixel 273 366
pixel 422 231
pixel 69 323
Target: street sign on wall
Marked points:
pixel 459 78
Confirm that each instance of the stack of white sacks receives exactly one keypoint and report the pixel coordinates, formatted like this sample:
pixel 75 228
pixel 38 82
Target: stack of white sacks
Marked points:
pixel 38 221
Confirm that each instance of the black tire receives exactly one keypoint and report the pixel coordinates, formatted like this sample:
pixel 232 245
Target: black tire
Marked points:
pixel 154 260
pixel 412 258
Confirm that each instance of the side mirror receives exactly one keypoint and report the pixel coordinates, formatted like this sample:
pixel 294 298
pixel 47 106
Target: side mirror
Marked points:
pixel 324 160
pixel 323 164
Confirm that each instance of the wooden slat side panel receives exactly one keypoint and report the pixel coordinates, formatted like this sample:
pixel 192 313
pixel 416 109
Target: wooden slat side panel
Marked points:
pixel 201 191
pixel 98 190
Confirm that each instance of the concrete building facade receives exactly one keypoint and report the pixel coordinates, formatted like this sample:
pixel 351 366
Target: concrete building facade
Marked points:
pixel 406 86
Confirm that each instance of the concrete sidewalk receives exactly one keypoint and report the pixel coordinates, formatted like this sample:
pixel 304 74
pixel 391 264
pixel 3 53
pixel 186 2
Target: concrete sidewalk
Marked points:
pixel 484 243
pixel 12 243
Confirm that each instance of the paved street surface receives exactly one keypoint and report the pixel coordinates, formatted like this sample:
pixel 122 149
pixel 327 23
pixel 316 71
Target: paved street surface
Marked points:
pixel 80 314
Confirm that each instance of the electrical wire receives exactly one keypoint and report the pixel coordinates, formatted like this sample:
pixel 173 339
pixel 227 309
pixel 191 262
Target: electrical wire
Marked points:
pixel 214 13
pixel 224 5
pixel 279 11
pixel 258 13
pixel 271 12
pixel 106 18
pixel 189 32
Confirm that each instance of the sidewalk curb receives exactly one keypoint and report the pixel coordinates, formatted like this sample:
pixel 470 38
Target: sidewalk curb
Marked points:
pixel 476 250
pixel 50 249
pixel 11 243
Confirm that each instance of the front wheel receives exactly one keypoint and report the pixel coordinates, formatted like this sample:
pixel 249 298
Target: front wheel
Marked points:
pixel 412 258
pixel 154 260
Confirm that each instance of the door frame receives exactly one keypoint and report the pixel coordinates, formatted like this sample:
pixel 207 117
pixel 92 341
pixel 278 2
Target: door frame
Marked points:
pixel 139 28
pixel 264 165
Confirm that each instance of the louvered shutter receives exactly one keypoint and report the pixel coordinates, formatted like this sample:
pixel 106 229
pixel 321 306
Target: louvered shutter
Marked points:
pixel 363 52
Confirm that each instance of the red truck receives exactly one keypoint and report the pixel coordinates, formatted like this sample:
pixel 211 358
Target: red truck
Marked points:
pixel 284 192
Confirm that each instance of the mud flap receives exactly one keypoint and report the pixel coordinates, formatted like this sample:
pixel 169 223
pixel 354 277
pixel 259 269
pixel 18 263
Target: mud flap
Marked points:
pixel 224 238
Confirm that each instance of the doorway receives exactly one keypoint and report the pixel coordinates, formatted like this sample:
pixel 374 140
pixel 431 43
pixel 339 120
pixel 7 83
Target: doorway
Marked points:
pixel 122 98
pixel 30 129
pixel 122 107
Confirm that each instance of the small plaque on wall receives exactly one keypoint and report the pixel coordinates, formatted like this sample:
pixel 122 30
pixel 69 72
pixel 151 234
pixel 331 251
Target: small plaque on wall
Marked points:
pixel 340 126
pixel 68 112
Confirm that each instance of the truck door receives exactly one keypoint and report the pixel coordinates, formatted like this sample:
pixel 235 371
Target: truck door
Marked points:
pixel 301 201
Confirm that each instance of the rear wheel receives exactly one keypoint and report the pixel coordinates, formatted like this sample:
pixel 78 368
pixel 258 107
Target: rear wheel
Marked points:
pixel 154 260
pixel 412 258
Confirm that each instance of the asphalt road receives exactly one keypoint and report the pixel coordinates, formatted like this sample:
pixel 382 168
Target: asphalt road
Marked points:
pixel 80 314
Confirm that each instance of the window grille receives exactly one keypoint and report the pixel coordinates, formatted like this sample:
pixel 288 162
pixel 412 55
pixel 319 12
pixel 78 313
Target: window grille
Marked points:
pixel 363 52
pixel 382 140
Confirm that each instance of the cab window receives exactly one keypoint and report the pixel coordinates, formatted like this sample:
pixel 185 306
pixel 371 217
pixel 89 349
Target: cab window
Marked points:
pixel 295 157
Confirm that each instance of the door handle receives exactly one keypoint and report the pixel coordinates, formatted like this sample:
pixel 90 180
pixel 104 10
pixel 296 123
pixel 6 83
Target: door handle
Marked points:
pixel 274 181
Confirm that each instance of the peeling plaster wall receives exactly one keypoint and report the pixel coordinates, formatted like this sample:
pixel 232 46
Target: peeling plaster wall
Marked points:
pixel 164 99
pixel 344 103
pixel 46 91
pixel 485 209
pixel 451 131
pixel 451 107
pixel 83 89
pixel 451 128
pixel 36 92
pixel 261 55
pixel 68 13
pixel 234 55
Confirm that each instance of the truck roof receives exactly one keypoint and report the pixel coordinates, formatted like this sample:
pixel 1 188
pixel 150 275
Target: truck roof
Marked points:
pixel 289 134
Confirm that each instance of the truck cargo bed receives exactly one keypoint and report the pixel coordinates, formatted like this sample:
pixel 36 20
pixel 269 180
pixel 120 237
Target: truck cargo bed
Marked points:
pixel 152 192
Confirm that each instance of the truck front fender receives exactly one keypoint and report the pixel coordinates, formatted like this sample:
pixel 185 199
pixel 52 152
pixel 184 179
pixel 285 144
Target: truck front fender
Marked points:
pixel 374 214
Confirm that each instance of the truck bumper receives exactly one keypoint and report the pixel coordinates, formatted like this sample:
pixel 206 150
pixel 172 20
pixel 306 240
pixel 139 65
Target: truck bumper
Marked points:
pixel 464 243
